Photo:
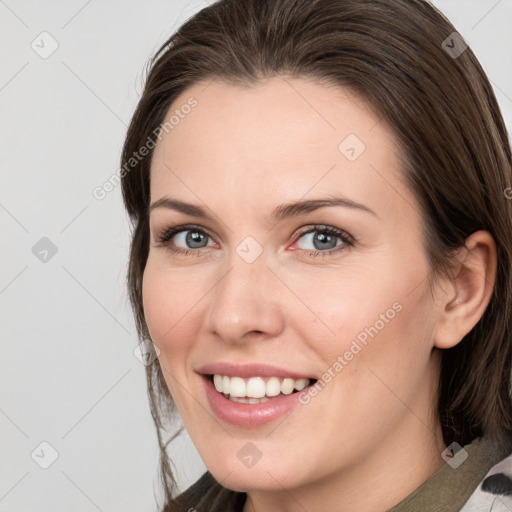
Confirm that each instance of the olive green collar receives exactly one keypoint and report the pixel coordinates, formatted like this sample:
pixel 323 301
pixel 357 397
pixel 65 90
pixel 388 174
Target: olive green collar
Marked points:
pixel 450 487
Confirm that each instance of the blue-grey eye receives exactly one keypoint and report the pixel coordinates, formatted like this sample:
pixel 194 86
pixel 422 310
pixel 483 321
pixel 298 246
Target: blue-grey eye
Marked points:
pixel 321 240
pixel 191 239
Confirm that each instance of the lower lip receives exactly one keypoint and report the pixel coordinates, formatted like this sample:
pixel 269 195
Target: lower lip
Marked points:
pixel 249 415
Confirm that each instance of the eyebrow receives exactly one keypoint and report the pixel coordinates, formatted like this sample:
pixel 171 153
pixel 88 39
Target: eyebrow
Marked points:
pixel 279 213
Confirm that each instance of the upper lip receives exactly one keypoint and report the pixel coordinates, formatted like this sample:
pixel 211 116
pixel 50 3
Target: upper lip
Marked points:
pixel 250 370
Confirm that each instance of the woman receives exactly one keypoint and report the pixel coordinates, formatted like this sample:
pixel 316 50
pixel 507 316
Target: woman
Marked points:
pixel 322 256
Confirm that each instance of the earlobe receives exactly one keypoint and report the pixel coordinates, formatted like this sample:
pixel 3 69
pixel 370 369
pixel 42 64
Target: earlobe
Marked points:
pixel 471 290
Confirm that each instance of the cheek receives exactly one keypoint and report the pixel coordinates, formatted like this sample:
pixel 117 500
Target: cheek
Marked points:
pixel 380 316
pixel 170 302
pixel 170 309
pixel 346 301
pixel 155 300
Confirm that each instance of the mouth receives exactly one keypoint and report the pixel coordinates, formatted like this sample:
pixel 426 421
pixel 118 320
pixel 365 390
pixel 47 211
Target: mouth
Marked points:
pixel 262 400
pixel 257 389
pixel 255 394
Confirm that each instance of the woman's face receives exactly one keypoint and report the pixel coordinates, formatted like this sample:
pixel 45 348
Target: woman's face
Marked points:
pixel 339 293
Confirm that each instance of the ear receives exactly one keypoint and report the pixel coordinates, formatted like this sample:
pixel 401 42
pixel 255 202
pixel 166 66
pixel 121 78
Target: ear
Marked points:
pixel 470 290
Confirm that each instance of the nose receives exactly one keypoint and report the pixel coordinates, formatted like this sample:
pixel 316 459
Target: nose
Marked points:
pixel 245 302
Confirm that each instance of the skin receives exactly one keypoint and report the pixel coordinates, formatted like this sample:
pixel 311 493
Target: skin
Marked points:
pixel 370 437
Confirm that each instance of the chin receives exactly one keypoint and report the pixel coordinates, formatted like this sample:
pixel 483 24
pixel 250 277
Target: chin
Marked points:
pixel 256 478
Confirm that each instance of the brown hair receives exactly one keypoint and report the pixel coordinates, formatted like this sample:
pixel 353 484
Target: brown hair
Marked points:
pixel 396 55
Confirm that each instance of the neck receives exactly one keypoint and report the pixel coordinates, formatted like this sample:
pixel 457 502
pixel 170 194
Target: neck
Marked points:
pixel 377 484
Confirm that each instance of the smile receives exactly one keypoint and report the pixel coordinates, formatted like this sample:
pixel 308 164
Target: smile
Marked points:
pixel 256 389
pixel 255 401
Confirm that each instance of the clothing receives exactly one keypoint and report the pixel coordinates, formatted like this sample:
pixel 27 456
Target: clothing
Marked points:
pixel 477 479
pixel 471 487
pixel 495 491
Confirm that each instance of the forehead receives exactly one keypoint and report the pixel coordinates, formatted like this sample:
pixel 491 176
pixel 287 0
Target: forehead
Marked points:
pixel 287 136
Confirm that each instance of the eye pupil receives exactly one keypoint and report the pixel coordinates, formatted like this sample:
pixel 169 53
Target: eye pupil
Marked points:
pixel 193 238
pixel 324 238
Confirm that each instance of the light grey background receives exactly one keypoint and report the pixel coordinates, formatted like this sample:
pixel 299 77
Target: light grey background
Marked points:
pixel 68 373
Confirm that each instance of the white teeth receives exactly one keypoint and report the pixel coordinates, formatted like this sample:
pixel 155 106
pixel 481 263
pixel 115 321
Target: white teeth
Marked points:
pixel 217 381
pixel 287 386
pixel 300 384
pixel 225 382
pixel 256 387
pixel 237 387
pixel 273 386
pixel 249 400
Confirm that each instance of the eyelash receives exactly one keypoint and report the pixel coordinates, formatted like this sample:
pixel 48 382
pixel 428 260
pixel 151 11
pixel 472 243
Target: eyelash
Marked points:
pixel 347 239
